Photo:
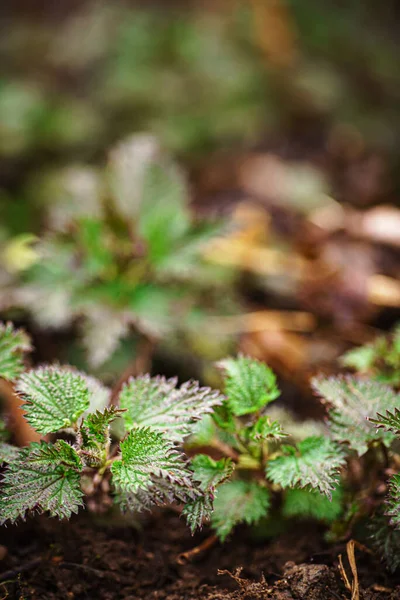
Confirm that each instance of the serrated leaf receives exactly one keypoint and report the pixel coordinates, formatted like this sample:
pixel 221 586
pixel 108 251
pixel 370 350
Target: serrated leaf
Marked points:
pixel 203 432
pixel 102 331
pixel 266 429
pixel 159 403
pixel 198 511
pixel 250 385
pixel 95 434
pixel 55 397
pixel 314 463
pixel 209 472
pixel 70 193
pixel 352 401
pixel 186 262
pixel 389 422
pixel 238 502
pixel 224 418
pixel 158 493
pixel 58 453
pixel 393 502
pixel 13 344
pixel 386 541
pixel 313 505
pixel 7 453
pixel 164 218
pixel 43 477
pixel 93 240
pixel 145 454
pixel 129 161
pixel 96 424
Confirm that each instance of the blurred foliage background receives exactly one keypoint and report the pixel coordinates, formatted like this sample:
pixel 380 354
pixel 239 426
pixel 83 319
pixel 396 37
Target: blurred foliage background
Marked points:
pixel 181 180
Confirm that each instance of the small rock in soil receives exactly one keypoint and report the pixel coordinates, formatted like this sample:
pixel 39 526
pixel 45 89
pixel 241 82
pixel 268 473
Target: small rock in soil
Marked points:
pixel 311 582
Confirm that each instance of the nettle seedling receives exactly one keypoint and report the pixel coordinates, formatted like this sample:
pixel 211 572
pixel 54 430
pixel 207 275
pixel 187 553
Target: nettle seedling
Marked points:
pixel 265 462
pixel 120 254
pixel 144 468
pixel 364 417
pixel 223 457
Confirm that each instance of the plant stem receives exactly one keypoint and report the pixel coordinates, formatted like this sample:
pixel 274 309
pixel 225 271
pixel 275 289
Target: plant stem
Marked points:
pixel 225 449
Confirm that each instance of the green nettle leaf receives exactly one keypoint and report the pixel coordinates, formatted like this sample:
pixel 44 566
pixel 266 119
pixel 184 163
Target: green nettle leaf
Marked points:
pixel 13 344
pixel 164 218
pixel 389 422
pixel 102 332
pixel 95 434
pixel 158 402
pixel 266 429
pixel 43 477
pixel 250 385
pixel 96 425
pixel 309 504
pixel 159 492
pixel 238 502
pixel 60 452
pixel 203 433
pixel 7 453
pixel 224 418
pixel 209 472
pixel 393 507
pixel 352 401
pixel 315 463
pixel 198 511
pixel 386 540
pixel 55 397
pixel 147 454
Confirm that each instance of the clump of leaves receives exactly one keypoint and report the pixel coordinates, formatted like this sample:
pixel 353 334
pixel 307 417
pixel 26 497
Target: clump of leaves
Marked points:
pixel 380 359
pixel 147 465
pixel 13 344
pixel 364 415
pixel 121 252
pixel 268 461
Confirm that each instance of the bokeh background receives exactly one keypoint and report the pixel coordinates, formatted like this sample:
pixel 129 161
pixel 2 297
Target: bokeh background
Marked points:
pixel 180 181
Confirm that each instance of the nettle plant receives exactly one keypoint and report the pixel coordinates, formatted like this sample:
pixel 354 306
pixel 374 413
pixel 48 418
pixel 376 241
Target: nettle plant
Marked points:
pixel 243 465
pixel 226 457
pixel 119 253
pixel 364 418
pixel 78 457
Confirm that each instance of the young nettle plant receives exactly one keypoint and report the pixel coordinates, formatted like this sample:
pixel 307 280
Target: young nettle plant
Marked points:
pixel 120 255
pixel 364 417
pixel 147 466
pixel 266 461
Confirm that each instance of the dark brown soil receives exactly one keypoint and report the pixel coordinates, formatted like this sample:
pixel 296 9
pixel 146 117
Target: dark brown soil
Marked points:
pixel 46 559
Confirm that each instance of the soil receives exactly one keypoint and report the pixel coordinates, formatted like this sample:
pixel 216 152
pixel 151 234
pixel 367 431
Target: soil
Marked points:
pixel 82 559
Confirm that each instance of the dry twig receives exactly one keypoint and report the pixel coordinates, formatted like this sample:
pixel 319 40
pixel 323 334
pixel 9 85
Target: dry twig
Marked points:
pixel 197 551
